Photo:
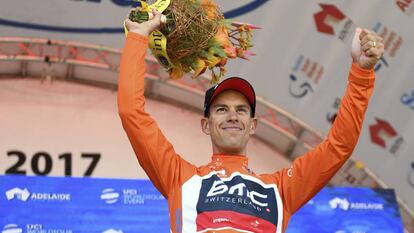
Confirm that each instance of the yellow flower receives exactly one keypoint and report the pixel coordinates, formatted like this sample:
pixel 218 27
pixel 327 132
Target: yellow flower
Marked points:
pixel 145 6
pixel 222 37
pixel 199 66
pixel 213 61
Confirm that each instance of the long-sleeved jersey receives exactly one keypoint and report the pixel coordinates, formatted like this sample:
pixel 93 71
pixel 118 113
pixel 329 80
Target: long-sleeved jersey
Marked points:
pixel 224 195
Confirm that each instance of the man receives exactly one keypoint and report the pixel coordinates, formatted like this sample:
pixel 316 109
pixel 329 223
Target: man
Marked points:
pixel 224 195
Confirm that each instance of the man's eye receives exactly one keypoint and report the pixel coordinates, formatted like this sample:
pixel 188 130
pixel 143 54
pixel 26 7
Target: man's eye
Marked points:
pixel 242 110
pixel 221 109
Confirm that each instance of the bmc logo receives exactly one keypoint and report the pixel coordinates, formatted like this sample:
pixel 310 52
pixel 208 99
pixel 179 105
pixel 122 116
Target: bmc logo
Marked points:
pixel 219 187
pixel 241 194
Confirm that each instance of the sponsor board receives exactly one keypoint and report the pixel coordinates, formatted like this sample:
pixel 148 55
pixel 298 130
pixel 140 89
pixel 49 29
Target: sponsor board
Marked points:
pixel 349 210
pixel 23 194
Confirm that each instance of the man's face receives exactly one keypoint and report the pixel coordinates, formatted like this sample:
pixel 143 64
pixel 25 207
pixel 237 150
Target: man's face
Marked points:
pixel 229 123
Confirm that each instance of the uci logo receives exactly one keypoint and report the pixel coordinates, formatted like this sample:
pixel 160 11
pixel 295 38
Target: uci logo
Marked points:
pixel 95 6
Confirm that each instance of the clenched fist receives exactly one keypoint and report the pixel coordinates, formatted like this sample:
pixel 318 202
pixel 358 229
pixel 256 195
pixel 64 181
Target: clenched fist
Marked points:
pixel 367 48
pixel 145 28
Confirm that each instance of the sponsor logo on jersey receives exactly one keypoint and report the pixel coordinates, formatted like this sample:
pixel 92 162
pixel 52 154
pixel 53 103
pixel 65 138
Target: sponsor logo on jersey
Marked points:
pixel 238 202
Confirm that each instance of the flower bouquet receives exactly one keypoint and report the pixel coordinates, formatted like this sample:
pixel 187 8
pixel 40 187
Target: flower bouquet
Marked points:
pixel 195 36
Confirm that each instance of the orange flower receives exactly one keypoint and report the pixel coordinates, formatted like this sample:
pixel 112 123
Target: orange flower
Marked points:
pixel 241 53
pixel 223 62
pixel 175 73
pixel 222 37
pixel 230 51
pixel 210 8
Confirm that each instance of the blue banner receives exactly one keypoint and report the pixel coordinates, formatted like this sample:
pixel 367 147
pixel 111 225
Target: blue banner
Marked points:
pixel 69 205
pixel 349 210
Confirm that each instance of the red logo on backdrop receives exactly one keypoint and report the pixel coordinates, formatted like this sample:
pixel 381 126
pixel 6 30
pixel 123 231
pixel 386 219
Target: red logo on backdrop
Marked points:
pixel 382 129
pixel 384 135
pixel 328 15
pixel 406 6
pixel 332 21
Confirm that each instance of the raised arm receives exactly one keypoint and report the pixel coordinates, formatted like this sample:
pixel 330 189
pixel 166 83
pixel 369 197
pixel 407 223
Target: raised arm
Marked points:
pixel 155 154
pixel 312 171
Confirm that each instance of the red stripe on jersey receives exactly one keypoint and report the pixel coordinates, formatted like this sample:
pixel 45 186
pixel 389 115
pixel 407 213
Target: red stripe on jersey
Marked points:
pixel 237 221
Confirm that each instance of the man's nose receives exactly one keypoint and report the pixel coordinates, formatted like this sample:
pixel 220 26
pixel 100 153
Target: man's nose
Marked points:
pixel 233 115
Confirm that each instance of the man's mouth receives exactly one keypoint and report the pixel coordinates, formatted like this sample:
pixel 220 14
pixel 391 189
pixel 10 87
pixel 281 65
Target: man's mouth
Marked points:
pixel 232 128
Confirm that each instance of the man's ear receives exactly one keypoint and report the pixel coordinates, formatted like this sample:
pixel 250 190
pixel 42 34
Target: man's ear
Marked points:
pixel 205 127
pixel 253 126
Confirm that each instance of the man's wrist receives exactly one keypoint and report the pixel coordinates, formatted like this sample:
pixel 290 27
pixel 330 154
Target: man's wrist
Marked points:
pixel 361 76
pixel 141 32
pixel 361 69
pixel 137 37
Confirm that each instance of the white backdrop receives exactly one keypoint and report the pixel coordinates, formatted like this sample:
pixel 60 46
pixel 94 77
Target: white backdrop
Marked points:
pixel 61 124
pixel 297 67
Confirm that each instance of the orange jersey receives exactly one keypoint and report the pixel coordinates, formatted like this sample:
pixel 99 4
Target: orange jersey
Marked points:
pixel 224 195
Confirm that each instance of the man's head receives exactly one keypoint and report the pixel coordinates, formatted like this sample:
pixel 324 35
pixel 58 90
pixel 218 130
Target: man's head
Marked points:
pixel 229 110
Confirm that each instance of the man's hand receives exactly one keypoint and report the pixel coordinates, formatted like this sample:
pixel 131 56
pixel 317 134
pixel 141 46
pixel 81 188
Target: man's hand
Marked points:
pixel 147 27
pixel 367 48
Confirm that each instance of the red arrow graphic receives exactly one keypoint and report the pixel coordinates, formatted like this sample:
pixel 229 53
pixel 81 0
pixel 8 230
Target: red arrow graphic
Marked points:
pixel 320 18
pixel 378 128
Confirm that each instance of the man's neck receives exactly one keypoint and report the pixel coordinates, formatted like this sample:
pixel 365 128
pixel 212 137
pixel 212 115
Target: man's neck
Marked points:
pixel 217 151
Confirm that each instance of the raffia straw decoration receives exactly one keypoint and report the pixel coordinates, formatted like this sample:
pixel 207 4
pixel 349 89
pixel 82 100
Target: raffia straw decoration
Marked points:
pixel 192 27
